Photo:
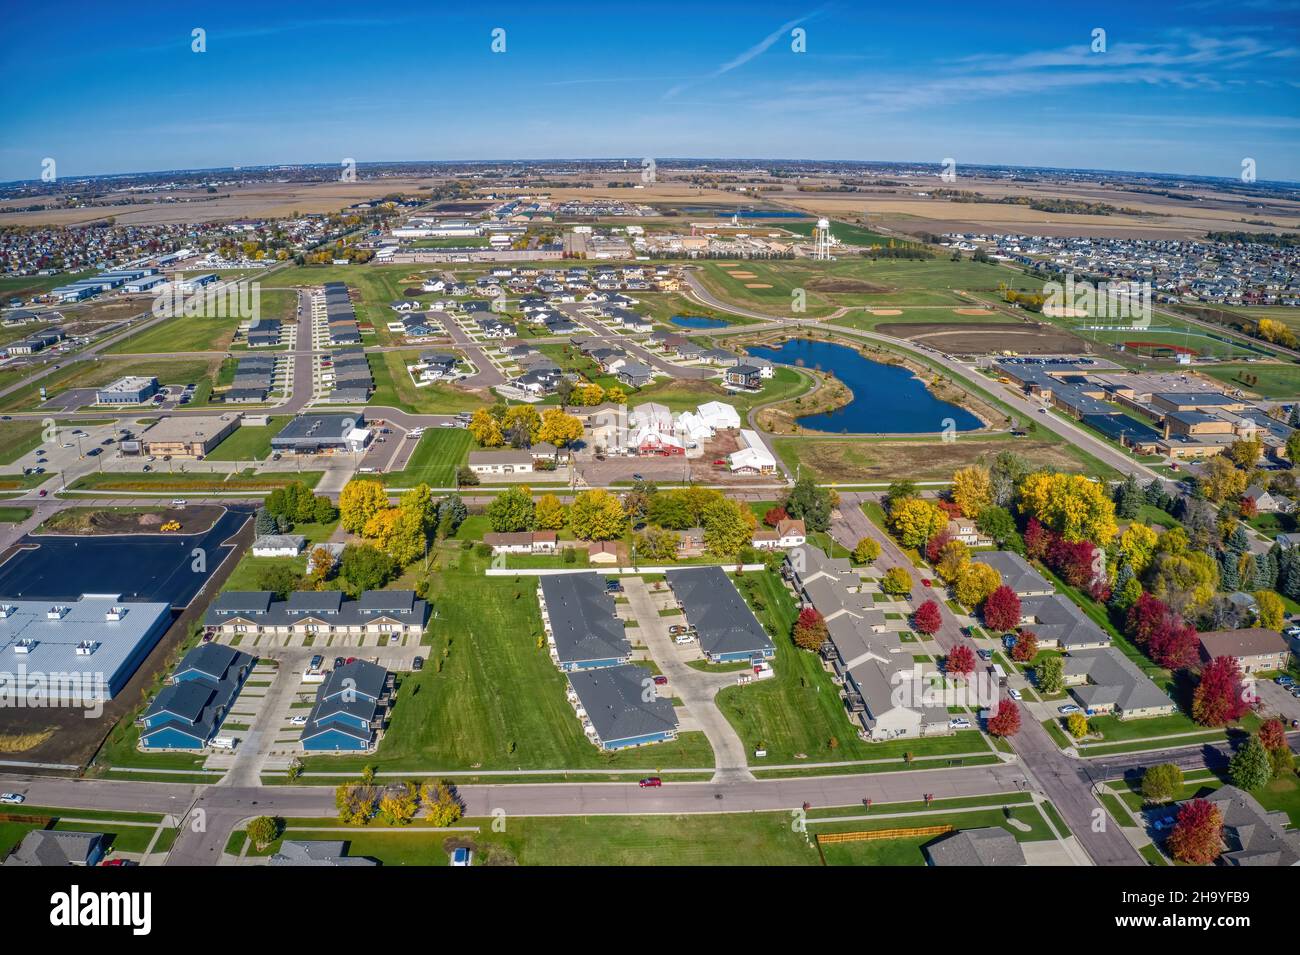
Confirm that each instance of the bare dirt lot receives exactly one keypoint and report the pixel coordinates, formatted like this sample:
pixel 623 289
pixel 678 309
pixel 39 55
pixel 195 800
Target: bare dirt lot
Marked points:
pixel 983 338
pixel 130 520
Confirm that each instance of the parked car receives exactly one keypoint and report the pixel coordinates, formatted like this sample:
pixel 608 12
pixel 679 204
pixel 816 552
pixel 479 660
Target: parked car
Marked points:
pixel 651 782
pixel 117 863
pixel 661 680
pixel 925 582
pixel 637 477
pixel 178 502
pixel 959 723
pixel 613 585
pixel 12 799
pixel 1015 694
pixel 338 662
pixel 41 493
pixel 298 721
pixel 417 663
pixel 985 655
pixel 1067 709
pixel 678 628
pixel 315 663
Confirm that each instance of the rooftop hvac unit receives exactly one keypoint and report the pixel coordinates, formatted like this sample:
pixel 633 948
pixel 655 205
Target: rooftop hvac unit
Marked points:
pixel 7 610
pixel 114 613
pixel 57 612
pixel 24 646
pixel 86 647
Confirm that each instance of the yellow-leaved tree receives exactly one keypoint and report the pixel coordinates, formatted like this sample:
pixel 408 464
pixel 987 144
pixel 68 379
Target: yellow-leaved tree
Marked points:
pixel 914 521
pixel 486 430
pixel 358 502
pixel 1070 504
pixel 972 489
pixel 975 582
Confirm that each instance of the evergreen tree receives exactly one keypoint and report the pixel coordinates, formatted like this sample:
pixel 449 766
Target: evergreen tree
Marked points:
pixel 1122 577
pixel 1128 498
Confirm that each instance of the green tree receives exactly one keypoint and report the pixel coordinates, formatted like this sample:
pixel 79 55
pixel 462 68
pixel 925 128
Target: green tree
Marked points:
pixel 262 831
pixel 896 581
pixel 1162 783
pixel 366 567
pixel 810 503
pixel 512 510
pixel 1049 674
pixel 1250 767
pixel 279 579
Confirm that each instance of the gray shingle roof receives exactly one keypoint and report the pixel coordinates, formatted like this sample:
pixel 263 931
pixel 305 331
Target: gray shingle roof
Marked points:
pixel 582 618
pixel 988 846
pixel 614 698
pixel 713 606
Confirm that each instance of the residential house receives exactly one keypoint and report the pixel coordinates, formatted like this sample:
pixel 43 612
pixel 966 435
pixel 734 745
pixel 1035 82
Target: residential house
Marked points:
pixel 349 709
pixel 986 846
pixel 1256 649
pixel 189 710
pixel 582 629
pixel 726 628
pixel 787 533
pixel 1106 682
pixel 58 847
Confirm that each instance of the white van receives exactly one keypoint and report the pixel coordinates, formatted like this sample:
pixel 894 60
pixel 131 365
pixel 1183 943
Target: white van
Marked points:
pixel 223 742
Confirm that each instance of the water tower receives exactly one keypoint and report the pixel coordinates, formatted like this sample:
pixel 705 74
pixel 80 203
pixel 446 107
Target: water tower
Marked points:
pixel 822 240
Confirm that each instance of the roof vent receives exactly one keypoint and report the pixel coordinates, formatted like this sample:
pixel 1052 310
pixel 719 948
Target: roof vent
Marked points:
pixel 115 613
pixel 7 610
pixel 57 612
pixel 86 647
pixel 24 646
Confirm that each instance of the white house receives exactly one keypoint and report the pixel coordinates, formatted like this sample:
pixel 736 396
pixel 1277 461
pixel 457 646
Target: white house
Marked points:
pixel 754 458
pixel 279 545
pixel 719 416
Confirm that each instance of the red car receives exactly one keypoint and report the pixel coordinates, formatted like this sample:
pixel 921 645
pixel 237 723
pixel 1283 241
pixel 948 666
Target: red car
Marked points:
pixel 651 782
pixel 925 582
pixel 116 862
pixel 661 680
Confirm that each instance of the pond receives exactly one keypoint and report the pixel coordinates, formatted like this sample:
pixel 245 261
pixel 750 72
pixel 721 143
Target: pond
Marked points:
pixel 697 321
pixel 887 399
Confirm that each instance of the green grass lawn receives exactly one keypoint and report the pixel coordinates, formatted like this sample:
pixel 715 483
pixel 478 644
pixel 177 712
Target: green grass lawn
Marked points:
pixel 17 438
pixel 193 482
pixel 90 374
pixel 394 388
pixel 247 443
pixel 437 457
pixel 800 711
pixel 1275 379
pixel 909 850
pixel 489 696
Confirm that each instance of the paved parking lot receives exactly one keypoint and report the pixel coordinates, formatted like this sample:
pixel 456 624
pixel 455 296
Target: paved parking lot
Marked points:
pixel 1278 700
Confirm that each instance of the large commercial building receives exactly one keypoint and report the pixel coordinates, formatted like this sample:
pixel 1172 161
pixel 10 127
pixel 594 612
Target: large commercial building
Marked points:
pixel 80 652
pixel 313 433
pixel 188 437
pixel 131 390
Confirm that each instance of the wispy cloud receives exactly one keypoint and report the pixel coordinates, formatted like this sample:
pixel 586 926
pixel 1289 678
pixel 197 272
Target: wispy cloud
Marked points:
pixel 762 46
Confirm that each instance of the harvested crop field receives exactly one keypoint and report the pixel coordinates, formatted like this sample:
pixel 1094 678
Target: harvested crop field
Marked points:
pixel 982 338
pixel 857 461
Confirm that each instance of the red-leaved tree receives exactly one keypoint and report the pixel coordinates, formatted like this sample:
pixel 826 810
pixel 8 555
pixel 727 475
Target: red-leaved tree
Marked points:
pixel 1026 646
pixel 927 619
pixel 1075 561
pixel 935 545
pixel 1002 609
pixel 1037 539
pixel 1220 697
pixel 810 629
pixel 774 516
pixel 1146 614
pixel 1006 721
pixel 1197 836
pixel 1272 733
pixel 1174 643
pixel 960 660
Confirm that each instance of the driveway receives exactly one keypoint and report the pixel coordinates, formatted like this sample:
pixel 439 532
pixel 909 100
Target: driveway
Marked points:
pixel 694 688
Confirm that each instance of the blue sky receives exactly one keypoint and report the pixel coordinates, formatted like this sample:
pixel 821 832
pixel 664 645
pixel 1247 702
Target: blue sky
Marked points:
pixel 1191 88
